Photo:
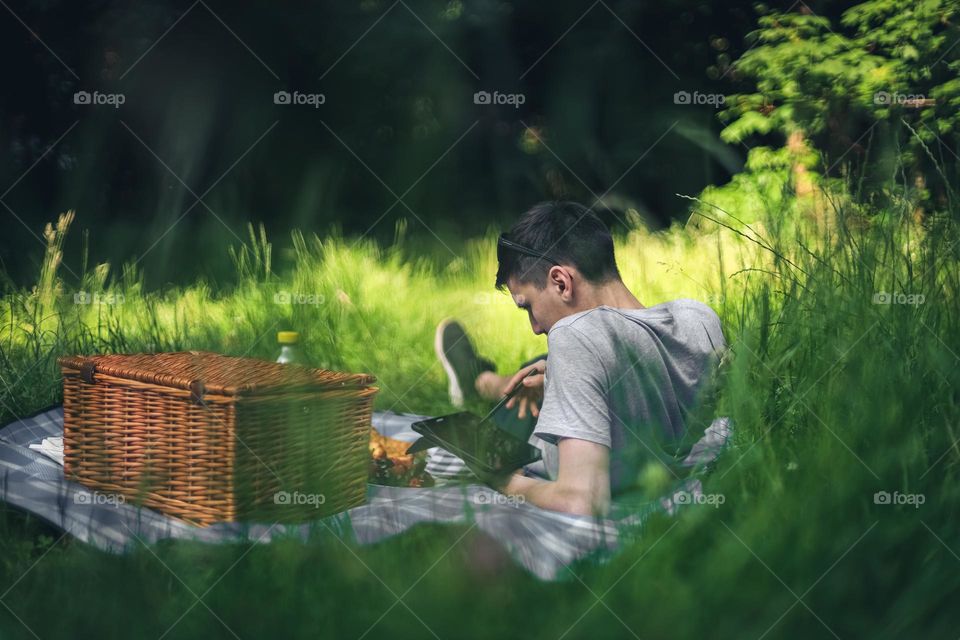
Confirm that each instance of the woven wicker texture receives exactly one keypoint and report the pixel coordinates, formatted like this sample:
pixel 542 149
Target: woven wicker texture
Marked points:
pixel 224 375
pixel 210 438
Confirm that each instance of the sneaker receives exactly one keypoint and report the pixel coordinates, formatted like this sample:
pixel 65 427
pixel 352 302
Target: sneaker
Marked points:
pixel 459 360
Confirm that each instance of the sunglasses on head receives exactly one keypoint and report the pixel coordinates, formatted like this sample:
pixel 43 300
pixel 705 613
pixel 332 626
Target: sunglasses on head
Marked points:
pixel 504 244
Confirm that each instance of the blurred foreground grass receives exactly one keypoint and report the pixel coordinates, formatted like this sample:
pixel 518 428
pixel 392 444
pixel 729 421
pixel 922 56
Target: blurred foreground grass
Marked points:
pixel 843 384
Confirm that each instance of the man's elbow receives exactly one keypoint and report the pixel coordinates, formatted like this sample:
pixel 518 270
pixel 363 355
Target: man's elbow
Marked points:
pixel 583 502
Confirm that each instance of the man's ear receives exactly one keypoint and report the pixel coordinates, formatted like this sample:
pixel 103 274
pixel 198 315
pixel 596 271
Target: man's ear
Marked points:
pixel 562 279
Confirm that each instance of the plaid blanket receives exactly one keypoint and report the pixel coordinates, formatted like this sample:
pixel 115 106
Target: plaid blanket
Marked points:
pixel 543 542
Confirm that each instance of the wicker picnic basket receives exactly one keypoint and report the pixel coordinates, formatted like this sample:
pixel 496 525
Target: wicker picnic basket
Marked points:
pixel 211 438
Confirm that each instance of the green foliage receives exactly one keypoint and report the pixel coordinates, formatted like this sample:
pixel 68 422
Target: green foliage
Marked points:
pixel 763 186
pixel 833 396
pixel 355 303
pixel 877 93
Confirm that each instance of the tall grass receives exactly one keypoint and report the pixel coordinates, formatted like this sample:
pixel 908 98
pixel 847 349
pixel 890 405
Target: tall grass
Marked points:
pixel 358 307
pixel 835 396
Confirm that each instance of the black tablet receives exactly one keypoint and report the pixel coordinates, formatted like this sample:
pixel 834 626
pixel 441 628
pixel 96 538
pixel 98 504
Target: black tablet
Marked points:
pixel 485 447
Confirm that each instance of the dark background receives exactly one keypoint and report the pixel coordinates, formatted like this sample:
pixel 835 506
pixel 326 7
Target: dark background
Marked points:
pixel 199 79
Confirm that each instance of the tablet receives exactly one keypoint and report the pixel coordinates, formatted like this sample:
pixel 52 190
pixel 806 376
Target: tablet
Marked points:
pixel 485 447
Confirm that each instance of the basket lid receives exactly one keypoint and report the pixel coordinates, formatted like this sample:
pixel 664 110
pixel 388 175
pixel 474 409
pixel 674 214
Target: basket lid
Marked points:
pixel 218 374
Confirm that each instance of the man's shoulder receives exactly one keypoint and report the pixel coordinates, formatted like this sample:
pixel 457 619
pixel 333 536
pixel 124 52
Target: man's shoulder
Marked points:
pixel 580 318
pixel 595 326
pixel 583 327
pixel 597 330
pixel 588 320
pixel 693 310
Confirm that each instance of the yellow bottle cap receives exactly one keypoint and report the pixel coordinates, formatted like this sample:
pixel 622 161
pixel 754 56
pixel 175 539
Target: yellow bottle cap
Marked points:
pixel 288 337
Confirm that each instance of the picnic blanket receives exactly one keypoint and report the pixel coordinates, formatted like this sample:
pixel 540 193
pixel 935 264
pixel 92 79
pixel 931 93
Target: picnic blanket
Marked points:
pixel 543 542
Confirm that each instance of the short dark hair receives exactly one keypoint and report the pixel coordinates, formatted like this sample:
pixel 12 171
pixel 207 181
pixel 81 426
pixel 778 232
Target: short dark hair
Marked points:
pixel 569 234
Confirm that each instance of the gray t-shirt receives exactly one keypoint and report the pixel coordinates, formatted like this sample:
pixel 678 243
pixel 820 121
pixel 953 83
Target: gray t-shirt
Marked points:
pixel 627 379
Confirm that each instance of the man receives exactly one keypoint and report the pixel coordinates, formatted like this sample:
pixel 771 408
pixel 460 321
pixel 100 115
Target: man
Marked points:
pixel 621 380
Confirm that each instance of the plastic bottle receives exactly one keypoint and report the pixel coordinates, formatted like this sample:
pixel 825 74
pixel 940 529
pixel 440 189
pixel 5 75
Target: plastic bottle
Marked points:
pixel 289 348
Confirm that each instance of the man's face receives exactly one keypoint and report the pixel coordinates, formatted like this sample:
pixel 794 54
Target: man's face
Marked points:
pixel 544 306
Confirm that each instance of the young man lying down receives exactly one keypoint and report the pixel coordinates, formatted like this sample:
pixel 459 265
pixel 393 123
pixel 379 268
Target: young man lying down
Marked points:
pixel 621 380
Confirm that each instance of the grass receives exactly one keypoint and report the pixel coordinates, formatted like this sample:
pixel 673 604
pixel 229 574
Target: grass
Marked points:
pixel 835 398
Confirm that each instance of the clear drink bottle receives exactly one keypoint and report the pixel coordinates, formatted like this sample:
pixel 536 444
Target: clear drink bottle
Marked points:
pixel 290 353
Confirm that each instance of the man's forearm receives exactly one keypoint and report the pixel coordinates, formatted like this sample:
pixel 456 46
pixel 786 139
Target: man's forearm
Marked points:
pixel 551 495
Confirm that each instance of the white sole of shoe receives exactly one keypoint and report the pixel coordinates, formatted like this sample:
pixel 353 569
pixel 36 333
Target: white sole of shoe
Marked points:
pixel 453 385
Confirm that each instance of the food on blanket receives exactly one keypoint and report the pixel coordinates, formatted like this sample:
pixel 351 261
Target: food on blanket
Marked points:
pixel 390 463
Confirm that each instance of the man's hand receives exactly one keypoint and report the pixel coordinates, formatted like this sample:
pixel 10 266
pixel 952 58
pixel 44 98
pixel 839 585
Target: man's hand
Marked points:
pixel 530 395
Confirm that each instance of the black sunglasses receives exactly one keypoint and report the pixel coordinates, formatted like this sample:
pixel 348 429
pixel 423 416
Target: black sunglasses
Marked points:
pixel 503 243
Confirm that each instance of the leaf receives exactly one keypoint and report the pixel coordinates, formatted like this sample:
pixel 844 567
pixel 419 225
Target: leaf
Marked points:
pixel 751 122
